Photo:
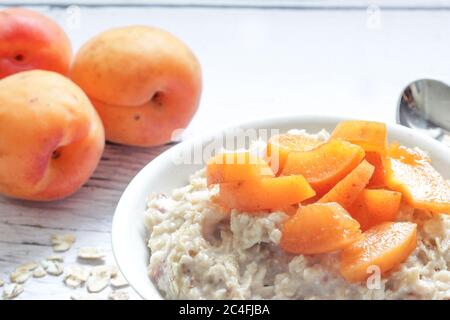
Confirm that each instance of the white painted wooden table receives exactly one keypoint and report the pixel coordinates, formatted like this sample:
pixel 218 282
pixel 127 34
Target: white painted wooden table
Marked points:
pixel 256 63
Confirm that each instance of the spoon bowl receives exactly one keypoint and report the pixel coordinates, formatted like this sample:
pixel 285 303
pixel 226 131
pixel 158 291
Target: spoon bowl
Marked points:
pixel 425 105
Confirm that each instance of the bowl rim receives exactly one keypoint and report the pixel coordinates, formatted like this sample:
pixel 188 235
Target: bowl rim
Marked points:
pixel 255 123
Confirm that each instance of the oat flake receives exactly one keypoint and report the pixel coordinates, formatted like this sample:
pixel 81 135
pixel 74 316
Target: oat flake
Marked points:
pixel 63 242
pixel 53 268
pixel 11 291
pixel 118 281
pixel 118 295
pixel 112 270
pixel 76 276
pixel 97 283
pixel 39 272
pixel 100 277
pixel 28 266
pixel 90 253
pixel 56 257
pixel 19 276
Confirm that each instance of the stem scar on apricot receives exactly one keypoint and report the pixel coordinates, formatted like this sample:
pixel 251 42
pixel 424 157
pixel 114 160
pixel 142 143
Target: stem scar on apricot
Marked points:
pixel 137 117
pixel 19 57
pixel 56 154
pixel 157 98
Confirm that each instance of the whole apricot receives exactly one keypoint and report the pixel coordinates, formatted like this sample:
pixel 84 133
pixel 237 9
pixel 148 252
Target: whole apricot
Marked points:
pixel 51 138
pixel 144 82
pixel 29 40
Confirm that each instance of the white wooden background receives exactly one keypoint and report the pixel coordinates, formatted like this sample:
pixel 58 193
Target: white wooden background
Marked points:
pixel 256 62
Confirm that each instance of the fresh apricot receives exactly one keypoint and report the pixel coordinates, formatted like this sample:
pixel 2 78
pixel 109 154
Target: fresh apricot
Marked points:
pixel 375 206
pixel 236 166
pixel 144 82
pixel 370 135
pixel 346 191
pixel 29 40
pixel 380 163
pixel 412 174
pixel 281 145
pixel 325 165
pixel 319 228
pixel 264 194
pixel 290 210
pixel 385 246
pixel 51 138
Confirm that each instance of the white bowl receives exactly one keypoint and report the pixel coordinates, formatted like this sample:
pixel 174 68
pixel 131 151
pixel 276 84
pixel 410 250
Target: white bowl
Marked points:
pixel 162 174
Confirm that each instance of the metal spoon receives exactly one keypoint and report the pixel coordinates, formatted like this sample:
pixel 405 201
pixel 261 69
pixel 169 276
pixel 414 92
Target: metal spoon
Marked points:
pixel 425 105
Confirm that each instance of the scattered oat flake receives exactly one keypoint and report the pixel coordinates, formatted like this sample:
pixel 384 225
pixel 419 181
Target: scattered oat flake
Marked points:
pixel 90 253
pixel 112 270
pixel 11 291
pixel 19 276
pixel 72 282
pixel 28 266
pixel 53 268
pixel 55 257
pixel 1 283
pixel 100 277
pixel 39 272
pixel 79 272
pixel 118 281
pixel 97 283
pixel 23 272
pixel 76 276
pixel 63 242
pixel 118 295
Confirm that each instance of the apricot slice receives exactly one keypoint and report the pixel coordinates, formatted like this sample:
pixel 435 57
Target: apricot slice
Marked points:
pixel 236 166
pixel 319 228
pixel 422 186
pixel 380 163
pixel 264 194
pixel 281 145
pixel 290 210
pixel 348 189
pixel 386 245
pixel 373 207
pixel 325 165
pixel 370 135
